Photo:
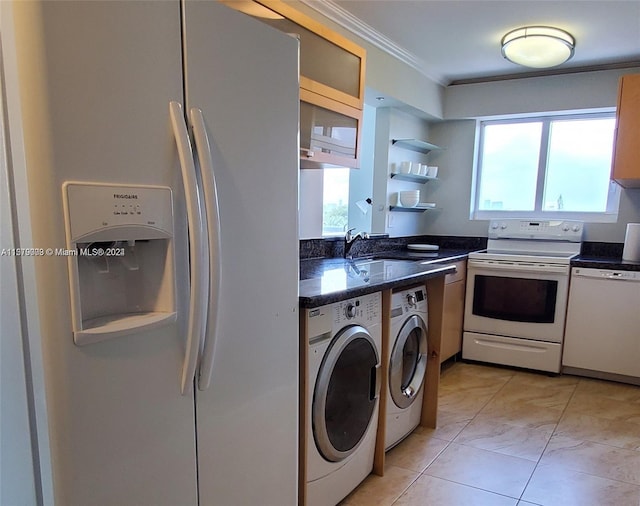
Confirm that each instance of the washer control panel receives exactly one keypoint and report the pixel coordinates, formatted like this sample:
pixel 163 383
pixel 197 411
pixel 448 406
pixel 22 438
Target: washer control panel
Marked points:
pixel 326 320
pixel 365 310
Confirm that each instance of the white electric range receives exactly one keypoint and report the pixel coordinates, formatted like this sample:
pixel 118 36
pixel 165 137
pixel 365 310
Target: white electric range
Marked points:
pixel 517 290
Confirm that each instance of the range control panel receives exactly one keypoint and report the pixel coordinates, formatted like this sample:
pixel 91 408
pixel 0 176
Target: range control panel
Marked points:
pixel 549 230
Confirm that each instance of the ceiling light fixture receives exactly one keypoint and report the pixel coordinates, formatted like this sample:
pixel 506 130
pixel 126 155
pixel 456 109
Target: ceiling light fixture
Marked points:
pixel 538 46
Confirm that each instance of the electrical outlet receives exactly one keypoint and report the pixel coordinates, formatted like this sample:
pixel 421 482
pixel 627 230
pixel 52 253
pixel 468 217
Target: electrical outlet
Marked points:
pixel 390 220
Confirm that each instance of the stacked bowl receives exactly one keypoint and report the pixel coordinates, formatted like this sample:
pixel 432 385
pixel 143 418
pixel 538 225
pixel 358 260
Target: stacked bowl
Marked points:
pixel 409 198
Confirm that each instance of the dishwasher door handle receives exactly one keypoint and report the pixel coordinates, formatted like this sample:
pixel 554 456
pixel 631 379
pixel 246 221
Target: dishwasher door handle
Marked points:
pixel 606 274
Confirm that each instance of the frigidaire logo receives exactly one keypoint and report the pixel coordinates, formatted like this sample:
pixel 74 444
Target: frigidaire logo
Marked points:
pixel 125 196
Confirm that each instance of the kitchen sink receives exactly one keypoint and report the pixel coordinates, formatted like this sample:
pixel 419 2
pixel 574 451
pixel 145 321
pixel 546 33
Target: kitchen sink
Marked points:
pixel 379 262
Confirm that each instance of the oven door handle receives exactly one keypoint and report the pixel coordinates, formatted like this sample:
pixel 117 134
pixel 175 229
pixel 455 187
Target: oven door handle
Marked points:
pixel 518 267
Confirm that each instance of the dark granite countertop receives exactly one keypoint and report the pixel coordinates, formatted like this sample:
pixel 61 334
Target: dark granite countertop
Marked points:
pixel 602 262
pixel 386 263
pixel 327 280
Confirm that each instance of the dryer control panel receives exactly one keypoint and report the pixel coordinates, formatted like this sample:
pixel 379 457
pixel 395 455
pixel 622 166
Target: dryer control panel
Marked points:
pixel 413 299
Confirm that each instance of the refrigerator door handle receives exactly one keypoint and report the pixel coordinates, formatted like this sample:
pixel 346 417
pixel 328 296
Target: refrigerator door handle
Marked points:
pixel 210 191
pixel 198 281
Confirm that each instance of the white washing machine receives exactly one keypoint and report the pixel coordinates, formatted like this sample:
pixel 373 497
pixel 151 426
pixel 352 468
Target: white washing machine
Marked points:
pixel 345 342
pixel 407 363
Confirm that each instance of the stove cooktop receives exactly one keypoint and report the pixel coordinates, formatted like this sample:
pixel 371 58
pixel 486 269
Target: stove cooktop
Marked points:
pixel 530 241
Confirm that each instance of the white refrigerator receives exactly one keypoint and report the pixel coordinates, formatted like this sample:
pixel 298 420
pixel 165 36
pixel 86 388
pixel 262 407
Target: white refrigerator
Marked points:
pixel 200 99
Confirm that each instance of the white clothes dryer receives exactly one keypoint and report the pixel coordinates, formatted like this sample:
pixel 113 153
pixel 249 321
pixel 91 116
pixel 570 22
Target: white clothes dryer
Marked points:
pixel 407 363
pixel 343 390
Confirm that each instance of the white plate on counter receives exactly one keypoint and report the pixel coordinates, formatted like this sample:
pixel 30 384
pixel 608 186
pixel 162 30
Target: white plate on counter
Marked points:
pixel 423 247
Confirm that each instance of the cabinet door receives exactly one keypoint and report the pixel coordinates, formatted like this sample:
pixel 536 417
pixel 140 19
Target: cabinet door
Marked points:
pixel 453 316
pixel 330 64
pixel 626 156
pixel 327 136
pixel 332 71
pixel 453 311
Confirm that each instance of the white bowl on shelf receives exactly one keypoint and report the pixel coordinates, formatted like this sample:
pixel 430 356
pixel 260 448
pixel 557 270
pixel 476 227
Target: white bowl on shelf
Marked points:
pixel 405 167
pixel 409 198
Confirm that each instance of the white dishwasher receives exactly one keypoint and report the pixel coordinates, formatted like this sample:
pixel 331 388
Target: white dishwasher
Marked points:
pixel 602 336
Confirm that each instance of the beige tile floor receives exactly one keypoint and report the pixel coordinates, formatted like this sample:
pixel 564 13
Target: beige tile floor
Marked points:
pixel 509 437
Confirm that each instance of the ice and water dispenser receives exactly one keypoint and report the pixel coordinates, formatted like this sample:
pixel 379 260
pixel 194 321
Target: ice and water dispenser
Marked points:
pixel 121 262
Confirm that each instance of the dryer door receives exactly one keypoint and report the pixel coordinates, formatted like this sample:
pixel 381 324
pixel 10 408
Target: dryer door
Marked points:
pixel 345 394
pixel 408 362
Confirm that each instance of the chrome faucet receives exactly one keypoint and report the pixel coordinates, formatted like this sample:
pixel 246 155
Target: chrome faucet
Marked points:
pixel 350 238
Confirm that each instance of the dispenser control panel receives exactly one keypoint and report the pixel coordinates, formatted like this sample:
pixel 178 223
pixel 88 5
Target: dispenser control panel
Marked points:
pixel 121 269
pixel 101 207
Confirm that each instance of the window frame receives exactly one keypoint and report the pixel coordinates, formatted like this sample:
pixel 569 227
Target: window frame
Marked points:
pixel 610 215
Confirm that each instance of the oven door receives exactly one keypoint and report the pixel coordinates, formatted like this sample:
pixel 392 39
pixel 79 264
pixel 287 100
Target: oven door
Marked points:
pixel 527 300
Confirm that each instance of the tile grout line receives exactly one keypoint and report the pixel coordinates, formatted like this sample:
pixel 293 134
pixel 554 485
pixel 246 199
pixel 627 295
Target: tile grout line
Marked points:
pixel 580 380
pixel 420 473
pixel 541 454
pixel 549 441
pixel 405 489
pixel 464 424
pixel 450 442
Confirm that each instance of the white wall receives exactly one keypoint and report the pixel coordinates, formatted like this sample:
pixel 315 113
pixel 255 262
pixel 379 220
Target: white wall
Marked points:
pixel 593 90
pixel 615 232
pixel 452 190
pixel 380 172
pixel 310 195
pixel 361 180
pixel 586 90
pixel 395 124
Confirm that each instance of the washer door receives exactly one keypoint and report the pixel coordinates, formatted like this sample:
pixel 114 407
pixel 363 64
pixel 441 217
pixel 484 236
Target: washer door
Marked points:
pixel 408 363
pixel 345 394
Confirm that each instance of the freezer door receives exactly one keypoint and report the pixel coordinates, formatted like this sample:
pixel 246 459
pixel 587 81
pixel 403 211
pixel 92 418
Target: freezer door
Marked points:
pixel 95 82
pixel 243 75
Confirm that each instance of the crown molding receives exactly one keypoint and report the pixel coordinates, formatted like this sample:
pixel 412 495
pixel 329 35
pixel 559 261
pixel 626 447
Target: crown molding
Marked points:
pixel 631 64
pixel 349 22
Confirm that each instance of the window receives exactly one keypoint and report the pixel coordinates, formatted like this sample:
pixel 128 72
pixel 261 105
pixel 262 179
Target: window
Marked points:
pixel 548 168
pixel 335 201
